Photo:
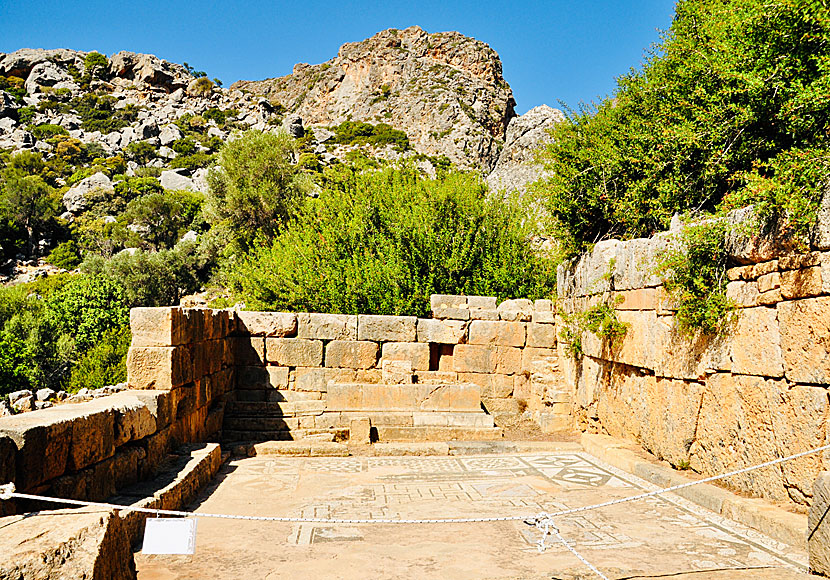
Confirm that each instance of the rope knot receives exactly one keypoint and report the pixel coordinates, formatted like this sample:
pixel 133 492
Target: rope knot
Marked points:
pixel 6 491
pixel 544 523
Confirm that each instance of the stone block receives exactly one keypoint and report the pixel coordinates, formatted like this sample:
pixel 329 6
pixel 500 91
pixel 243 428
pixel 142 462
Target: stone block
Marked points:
pixel 449 306
pixel 351 354
pixel 799 261
pixel 327 326
pixel 503 411
pixel 490 385
pixel 744 294
pixel 818 525
pixel 805 340
pixel 133 418
pixel 72 543
pixel 473 358
pixel 248 350
pixel 436 377
pixel 274 324
pixel 294 352
pixel 756 344
pixel 386 328
pixel 544 317
pixel 482 302
pixel 739 273
pixel 313 379
pixel 268 377
pixel 43 441
pixel 397 372
pixel 541 335
pixel 360 430
pixel 801 283
pixel 497 333
pixel 638 299
pixel 158 367
pixel 770 298
pixel 520 310
pixel 769 282
pixel 484 314
pixel 543 305
pixel 764 269
pixel 161 404
pixel 8 451
pixel 441 331
pixel 414 353
pixel 165 326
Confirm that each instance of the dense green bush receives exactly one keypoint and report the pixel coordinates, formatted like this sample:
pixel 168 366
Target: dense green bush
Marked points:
pixel 163 217
pixel 731 105
pixel 95 65
pixel 98 113
pixel 255 188
pixel 45 131
pixel 65 255
pixel 103 364
pixel 355 132
pixel 193 162
pixel 141 152
pixel 382 242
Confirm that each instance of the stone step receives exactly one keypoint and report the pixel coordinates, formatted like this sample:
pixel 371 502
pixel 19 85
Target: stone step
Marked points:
pixel 273 409
pixel 275 395
pixel 282 434
pixel 389 433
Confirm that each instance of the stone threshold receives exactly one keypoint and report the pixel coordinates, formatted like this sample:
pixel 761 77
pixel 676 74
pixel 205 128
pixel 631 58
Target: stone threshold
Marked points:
pixel 759 514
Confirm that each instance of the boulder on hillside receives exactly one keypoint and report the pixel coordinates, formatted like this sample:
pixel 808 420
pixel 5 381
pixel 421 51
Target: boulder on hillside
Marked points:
pixel 517 167
pixel 21 62
pixel 75 201
pixel 176 179
pixel 293 124
pixel 8 106
pixel 169 134
pixel 148 70
pixel 48 74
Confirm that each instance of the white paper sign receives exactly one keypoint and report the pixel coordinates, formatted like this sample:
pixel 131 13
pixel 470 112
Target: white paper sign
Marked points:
pixel 169 536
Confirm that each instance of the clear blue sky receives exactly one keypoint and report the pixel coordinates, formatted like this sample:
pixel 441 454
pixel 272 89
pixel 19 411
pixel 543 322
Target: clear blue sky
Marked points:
pixel 552 50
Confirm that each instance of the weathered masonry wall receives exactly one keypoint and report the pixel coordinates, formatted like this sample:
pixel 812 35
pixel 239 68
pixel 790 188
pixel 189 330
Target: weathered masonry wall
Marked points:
pixel 470 369
pixel 714 404
pixel 93 450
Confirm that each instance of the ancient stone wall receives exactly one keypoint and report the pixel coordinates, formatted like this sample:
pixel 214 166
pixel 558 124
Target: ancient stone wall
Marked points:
pixel 305 374
pixel 93 450
pixel 714 404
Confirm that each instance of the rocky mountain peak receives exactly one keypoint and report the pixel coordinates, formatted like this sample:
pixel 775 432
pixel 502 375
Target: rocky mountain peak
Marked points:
pixel 445 90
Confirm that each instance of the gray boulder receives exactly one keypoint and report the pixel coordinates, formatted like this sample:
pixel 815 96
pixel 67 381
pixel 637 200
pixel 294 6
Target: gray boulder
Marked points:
pixel 175 179
pixel 48 74
pixel 169 134
pixel 8 106
pixel 21 62
pixel 516 166
pixel 293 124
pixel 7 125
pixel 149 70
pixel 74 200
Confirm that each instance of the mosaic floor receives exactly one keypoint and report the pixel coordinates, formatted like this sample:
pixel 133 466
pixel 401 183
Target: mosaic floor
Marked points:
pixel 647 538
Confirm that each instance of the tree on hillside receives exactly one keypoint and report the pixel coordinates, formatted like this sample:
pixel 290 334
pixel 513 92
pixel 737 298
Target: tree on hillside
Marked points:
pixel 30 202
pixel 732 107
pixel 255 188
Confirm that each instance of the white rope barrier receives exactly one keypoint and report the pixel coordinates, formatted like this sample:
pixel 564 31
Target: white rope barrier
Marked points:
pixel 543 521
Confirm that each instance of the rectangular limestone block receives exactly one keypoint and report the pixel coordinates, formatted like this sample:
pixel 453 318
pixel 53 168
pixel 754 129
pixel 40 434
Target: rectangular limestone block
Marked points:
pixel 756 343
pixel 158 367
pixel 543 305
pixel 474 358
pixel 360 429
pixel 436 377
pixel 541 335
pixel 398 398
pixel 165 326
pixel 257 377
pixel 769 282
pixel 544 316
pixel 443 302
pixel 818 526
pixel 397 372
pixel 497 333
pixel 516 310
pixel 352 354
pixel 490 385
pixel 327 326
pixel 386 328
pixel 744 294
pixel 248 350
pixel 317 379
pixel 442 331
pixel 133 419
pixel 484 314
pixel 801 283
pixel 276 324
pixel 43 441
pixel 294 352
pixel 805 327
pixel 638 299
pixel 482 302
pixel 414 353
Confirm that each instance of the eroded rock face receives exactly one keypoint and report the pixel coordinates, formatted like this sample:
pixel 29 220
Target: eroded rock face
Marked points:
pixel 445 90
pixel 53 545
pixel 21 62
pixel 526 135
pixel 149 70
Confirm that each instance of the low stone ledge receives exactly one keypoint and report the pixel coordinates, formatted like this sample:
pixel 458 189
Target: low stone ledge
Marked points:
pixel 88 543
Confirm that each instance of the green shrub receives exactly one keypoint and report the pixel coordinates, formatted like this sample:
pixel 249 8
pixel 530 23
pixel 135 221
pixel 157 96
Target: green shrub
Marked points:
pixel 732 96
pixel 26 114
pixel 255 188
pixel 98 113
pixel 65 255
pixel 14 86
pixel 45 131
pixel 185 146
pixel 103 364
pixel 219 115
pixel 141 152
pixel 309 162
pixel 354 132
pixel 694 275
pixel 382 242
pixel 201 86
pixel 192 162
pixel 165 216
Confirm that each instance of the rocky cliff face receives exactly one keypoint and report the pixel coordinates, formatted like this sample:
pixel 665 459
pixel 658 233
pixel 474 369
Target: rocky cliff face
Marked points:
pixel 445 90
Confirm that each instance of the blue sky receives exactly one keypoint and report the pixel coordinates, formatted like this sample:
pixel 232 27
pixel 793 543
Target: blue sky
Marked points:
pixel 551 51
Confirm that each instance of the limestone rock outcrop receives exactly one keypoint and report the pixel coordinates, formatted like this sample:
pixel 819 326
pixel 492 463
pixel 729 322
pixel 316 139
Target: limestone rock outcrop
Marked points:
pixel 517 166
pixel 445 90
